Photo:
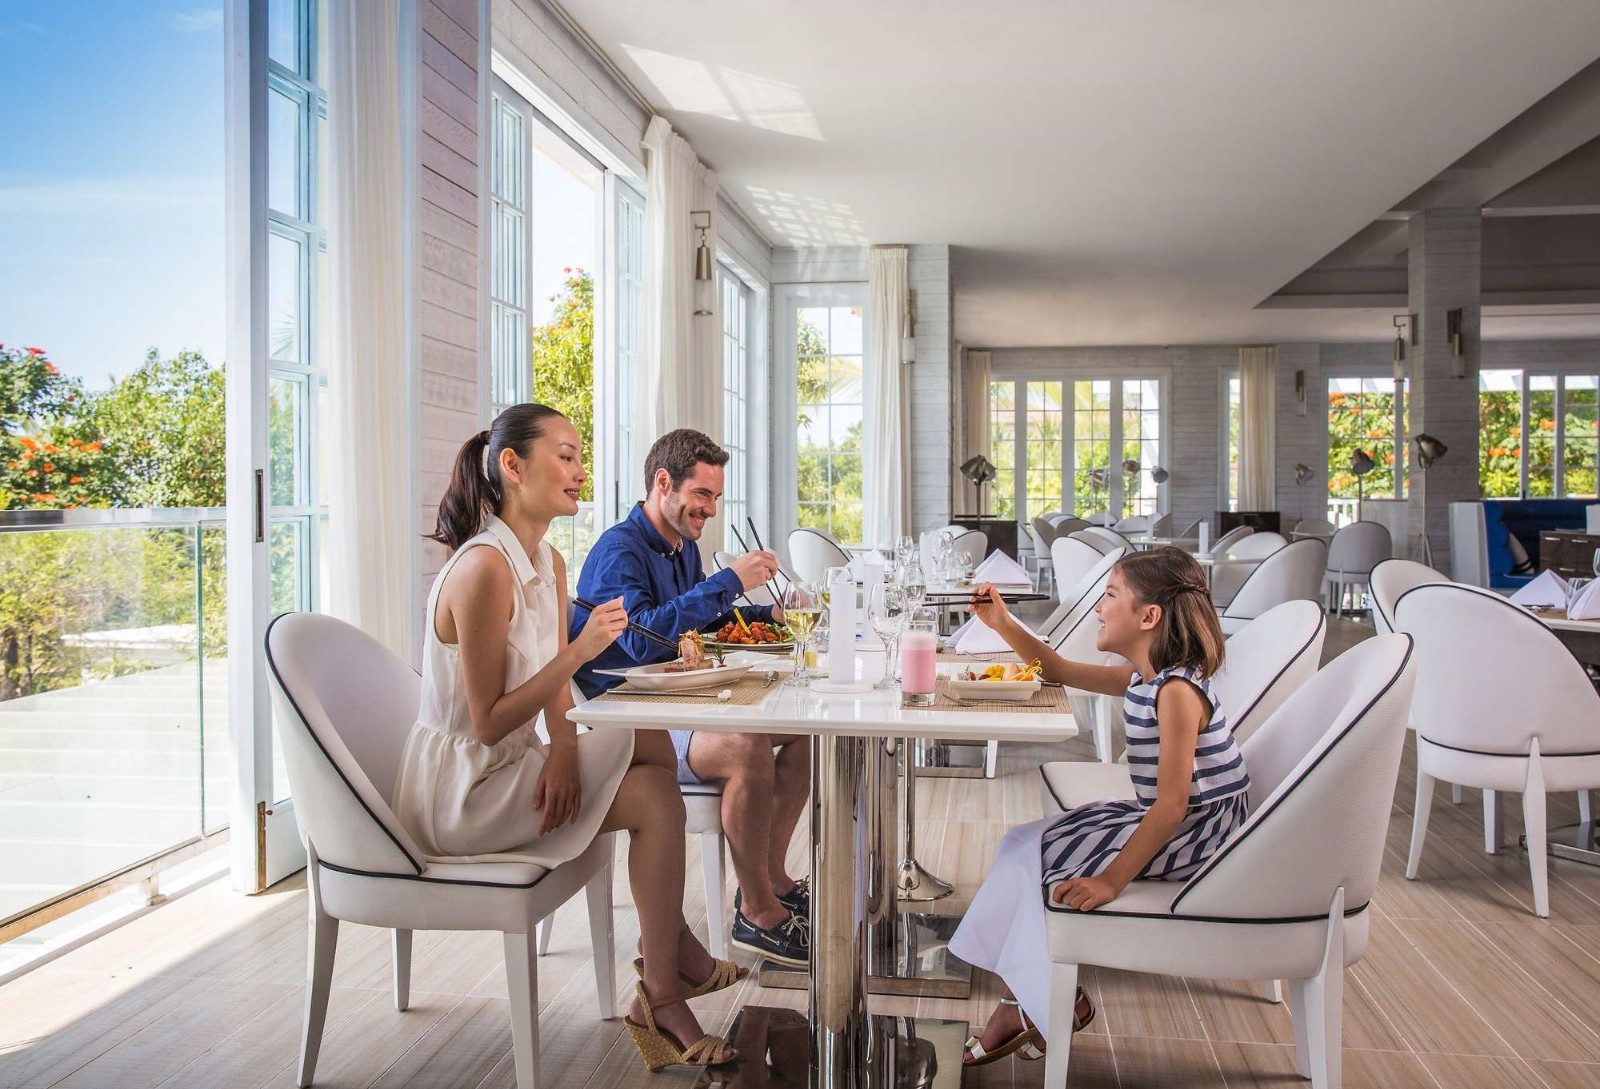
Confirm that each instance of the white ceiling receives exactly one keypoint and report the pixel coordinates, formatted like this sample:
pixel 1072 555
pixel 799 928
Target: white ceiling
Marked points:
pixel 1111 172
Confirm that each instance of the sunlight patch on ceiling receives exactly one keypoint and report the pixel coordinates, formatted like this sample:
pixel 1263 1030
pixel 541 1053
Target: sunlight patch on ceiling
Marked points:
pixel 690 86
pixel 806 221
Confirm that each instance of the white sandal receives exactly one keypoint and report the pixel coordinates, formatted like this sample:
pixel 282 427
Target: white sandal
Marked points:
pixel 1027 1044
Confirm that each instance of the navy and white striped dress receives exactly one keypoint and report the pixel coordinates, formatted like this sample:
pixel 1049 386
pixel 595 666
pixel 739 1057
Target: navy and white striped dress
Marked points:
pixel 1083 841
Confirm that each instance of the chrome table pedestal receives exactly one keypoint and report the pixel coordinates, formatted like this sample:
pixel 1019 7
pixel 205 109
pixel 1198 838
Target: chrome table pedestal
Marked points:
pixel 912 883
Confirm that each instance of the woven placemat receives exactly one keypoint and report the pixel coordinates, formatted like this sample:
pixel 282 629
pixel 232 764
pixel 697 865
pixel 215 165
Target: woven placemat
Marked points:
pixel 1048 698
pixel 748 690
pixel 993 656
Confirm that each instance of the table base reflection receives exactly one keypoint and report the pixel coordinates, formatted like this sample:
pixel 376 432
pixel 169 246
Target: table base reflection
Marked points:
pixel 895 1053
pixel 908 954
pixel 1573 842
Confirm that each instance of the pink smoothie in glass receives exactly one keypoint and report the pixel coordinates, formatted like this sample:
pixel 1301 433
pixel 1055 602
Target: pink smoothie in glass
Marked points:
pixel 918 651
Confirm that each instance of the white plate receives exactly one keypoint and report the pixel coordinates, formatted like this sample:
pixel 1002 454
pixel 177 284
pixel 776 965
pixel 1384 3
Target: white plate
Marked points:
pixel 730 647
pixel 1005 691
pixel 655 678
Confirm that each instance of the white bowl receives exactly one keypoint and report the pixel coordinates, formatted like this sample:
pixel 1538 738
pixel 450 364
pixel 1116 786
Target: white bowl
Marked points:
pixel 1003 691
pixel 655 678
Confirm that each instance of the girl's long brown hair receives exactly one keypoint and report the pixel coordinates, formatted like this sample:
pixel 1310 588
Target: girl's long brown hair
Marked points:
pixel 475 489
pixel 1189 634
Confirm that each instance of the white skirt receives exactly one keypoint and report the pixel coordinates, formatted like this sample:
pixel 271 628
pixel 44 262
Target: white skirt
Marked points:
pixel 1003 930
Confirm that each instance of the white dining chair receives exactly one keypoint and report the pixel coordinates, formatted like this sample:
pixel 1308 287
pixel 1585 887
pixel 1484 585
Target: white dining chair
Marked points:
pixel 1108 537
pixel 1355 550
pixel 1067 523
pixel 345 706
pixel 972 545
pixel 1292 573
pixel 1072 631
pixel 1160 526
pixel 1320 528
pixel 1072 557
pixel 1287 895
pixel 1133 525
pixel 761 595
pixel 812 552
pixel 1235 562
pixel 1221 545
pixel 1099 518
pixel 1501 705
pixel 1391 578
pixel 1266 663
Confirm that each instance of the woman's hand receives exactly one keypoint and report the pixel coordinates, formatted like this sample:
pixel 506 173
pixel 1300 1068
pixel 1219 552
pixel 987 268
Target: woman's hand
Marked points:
pixel 1085 893
pixel 605 623
pixel 558 792
pixel 988 606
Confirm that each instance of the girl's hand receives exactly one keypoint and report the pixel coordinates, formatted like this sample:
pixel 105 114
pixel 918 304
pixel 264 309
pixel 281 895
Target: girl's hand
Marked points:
pixel 1084 893
pixel 988 606
pixel 558 791
pixel 601 630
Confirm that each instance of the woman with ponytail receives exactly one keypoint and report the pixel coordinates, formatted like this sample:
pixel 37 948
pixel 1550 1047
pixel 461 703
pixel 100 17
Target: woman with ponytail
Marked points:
pixel 1188 777
pixel 477 782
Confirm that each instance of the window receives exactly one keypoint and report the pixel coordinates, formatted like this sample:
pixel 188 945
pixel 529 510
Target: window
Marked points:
pixel 626 468
pixel 1538 434
pixel 1141 445
pixel 827 347
pixel 736 316
pixel 1044 449
pixel 1366 414
pixel 1091 446
pixel 1230 449
pixel 1003 448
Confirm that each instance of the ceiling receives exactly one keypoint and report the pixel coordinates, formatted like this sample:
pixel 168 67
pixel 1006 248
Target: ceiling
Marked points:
pixel 1108 172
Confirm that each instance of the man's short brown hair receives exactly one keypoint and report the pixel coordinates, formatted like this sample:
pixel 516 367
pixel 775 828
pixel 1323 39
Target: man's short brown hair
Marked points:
pixel 678 452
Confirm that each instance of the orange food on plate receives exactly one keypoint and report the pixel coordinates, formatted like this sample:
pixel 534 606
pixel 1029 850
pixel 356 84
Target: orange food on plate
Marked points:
pixel 753 634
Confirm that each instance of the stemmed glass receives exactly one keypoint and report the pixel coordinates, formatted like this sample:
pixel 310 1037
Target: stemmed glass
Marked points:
pixel 904 549
pixel 886 612
pixel 802 608
pixel 915 585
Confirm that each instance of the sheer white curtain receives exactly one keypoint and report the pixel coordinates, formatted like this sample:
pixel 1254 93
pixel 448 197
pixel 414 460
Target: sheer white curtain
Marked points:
pixel 884 460
pixel 1258 419
pixel 370 513
pixel 973 433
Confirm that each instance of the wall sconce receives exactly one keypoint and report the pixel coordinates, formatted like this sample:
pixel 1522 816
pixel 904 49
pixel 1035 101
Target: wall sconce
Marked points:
pixel 1303 474
pixel 1160 475
pixel 1399 354
pixel 1458 352
pixel 702 263
pixel 908 329
pixel 1300 393
pixel 1429 450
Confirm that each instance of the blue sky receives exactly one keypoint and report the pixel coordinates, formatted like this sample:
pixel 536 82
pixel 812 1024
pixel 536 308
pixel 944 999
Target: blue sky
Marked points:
pixel 111 181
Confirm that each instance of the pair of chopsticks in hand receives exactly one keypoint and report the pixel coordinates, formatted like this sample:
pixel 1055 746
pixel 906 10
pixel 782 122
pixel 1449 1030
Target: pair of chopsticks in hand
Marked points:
pixel 637 629
pixel 750 524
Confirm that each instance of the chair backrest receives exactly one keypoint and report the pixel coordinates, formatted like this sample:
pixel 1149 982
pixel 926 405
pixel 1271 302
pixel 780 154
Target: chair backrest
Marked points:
pixel 1315 527
pixel 1226 541
pixel 1192 530
pixel 1469 544
pixel 1078 600
pixel 1267 661
pixel 1110 538
pixel 1071 558
pixel 723 560
pixel 972 545
pixel 345 707
pixel 1255 546
pixel 812 552
pixel 1067 523
pixel 1134 523
pixel 1359 547
pixel 1291 573
pixel 1491 677
pixel 1099 518
pixel 1322 779
pixel 1161 526
pixel 1389 580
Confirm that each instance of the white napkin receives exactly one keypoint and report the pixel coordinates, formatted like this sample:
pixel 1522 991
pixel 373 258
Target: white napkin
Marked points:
pixel 1001 570
pixel 1585 605
pixel 861 561
pixel 1548 591
pixel 976 637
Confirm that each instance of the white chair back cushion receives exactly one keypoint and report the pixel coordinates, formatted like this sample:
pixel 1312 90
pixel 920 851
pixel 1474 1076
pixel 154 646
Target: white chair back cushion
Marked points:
pixel 1267 662
pixel 1071 558
pixel 972 545
pixel 1359 547
pixel 812 552
pixel 1067 523
pixel 345 708
pixel 1134 523
pixel 1322 779
pixel 1221 545
pixel 1065 628
pixel 1254 546
pixel 1292 573
pixel 1389 580
pixel 1491 677
pixel 1161 527
pixel 1109 538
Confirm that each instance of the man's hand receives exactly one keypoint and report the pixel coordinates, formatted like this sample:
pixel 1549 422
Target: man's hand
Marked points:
pixel 1085 893
pixel 754 568
pixel 558 792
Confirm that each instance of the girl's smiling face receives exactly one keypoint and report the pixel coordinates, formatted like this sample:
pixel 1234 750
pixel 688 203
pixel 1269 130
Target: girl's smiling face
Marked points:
pixel 1125 622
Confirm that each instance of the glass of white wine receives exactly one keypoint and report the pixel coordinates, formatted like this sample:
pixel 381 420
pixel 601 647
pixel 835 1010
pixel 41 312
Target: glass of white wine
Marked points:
pixel 802 608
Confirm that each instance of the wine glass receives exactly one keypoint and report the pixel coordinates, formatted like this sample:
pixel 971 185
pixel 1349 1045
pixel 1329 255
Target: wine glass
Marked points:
pixel 915 585
pixel 886 612
pixel 802 608
pixel 904 549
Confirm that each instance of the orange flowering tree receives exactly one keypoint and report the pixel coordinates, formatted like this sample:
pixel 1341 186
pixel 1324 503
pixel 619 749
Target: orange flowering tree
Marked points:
pixel 50 459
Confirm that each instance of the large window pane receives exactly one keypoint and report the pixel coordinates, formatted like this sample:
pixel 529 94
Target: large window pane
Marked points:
pixel 1043 447
pixel 1541 436
pixel 1361 417
pixel 1233 425
pixel 1091 446
pixel 285 308
pixel 829 419
pixel 284 33
pixel 283 152
pixel 1141 445
pixel 1578 435
pixel 735 406
pixel 1500 434
pixel 1002 448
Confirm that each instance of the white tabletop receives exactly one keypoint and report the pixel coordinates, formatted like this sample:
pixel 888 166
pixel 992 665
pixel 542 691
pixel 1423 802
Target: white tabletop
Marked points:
pixel 790 710
pixel 1143 540
pixel 1562 623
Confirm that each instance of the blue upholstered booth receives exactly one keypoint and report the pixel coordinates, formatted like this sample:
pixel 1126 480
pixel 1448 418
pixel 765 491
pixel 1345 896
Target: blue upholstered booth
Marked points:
pixel 1524 518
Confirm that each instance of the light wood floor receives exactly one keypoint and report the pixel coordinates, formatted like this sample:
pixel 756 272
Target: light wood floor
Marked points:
pixel 1462 985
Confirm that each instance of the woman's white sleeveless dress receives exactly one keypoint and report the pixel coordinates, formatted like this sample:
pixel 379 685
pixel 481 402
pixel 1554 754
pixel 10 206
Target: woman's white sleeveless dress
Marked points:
pixel 466 801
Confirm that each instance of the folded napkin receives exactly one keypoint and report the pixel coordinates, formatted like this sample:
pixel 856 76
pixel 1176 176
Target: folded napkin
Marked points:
pixel 1001 570
pixel 862 560
pixel 976 637
pixel 1585 604
pixel 1548 591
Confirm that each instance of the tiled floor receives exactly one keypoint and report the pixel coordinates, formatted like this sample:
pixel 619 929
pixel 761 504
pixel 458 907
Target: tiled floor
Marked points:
pixel 1462 985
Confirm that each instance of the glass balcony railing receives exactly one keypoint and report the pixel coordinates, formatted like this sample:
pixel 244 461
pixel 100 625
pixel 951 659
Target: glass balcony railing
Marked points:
pixel 114 745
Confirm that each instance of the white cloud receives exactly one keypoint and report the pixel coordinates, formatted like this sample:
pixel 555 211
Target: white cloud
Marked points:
pixel 195 20
pixel 79 197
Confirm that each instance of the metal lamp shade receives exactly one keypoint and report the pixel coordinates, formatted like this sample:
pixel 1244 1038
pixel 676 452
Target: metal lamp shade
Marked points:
pixel 1429 450
pixel 1361 463
pixel 978 469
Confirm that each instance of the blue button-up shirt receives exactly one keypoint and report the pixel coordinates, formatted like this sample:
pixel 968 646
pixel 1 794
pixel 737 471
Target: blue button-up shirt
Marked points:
pixel 662 587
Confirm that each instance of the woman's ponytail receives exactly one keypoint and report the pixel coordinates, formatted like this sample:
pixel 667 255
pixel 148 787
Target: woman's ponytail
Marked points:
pixel 474 492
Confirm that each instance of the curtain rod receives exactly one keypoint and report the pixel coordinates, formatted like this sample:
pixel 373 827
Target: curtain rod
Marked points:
pixel 599 55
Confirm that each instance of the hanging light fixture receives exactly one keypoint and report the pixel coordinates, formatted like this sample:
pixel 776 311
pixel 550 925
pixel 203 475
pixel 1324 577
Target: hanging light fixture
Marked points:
pixel 702 263
pixel 1399 354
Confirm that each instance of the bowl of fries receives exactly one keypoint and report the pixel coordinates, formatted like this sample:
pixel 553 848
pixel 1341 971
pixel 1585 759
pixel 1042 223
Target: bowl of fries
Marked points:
pixel 1005 681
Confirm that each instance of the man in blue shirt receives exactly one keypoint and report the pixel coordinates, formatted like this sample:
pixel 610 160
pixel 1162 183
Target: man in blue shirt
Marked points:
pixel 652 561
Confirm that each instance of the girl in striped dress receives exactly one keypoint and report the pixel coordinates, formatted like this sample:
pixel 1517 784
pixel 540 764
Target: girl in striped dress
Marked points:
pixel 1189 783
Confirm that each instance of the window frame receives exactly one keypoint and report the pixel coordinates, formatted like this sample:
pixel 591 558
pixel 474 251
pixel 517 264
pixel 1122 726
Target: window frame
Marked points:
pixel 736 308
pixel 1525 378
pixel 1401 391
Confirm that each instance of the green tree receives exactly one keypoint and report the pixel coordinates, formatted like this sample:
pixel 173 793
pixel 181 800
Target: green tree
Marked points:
pixel 563 362
pixel 50 456
pixel 164 428
pixel 828 476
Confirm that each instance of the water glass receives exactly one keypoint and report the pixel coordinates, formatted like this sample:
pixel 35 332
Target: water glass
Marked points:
pixel 904 549
pixel 914 584
pixel 802 612
pixel 886 612
pixel 920 669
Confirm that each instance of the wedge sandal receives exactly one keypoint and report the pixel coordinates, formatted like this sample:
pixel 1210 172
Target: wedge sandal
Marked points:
pixel 661 1049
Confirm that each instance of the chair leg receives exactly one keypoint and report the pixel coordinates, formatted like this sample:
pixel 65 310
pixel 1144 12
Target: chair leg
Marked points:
pixel 1317 1006
pixel 324 940
pixel 1102 736
pixel 1063 1003
pixel 1585 822
pixel 713 869
pixel 1419 822
pixel 1272 991
pixel 1533 821
pixel 1455 794
pixel 522 986
pixel 542 934
pixel 1494 823
pixel 603 941
pixel 400 944
pixel 991 759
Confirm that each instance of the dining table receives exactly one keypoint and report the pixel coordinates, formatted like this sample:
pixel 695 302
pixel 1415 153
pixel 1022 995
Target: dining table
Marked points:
pixel 838 1043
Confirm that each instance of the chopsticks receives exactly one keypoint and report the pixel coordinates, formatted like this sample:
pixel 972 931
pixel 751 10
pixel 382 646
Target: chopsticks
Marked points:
pixel 751 522
pixel 777 598
pixel 637 629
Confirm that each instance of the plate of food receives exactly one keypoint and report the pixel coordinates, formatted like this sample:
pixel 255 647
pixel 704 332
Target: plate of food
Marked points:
pixel 693 668
pixel 1008 681
pixel 756 635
